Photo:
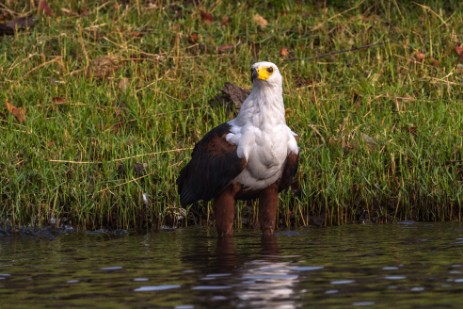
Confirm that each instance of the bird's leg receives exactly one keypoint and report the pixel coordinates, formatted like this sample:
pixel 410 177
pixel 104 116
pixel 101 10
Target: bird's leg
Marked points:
pixel 268 207
pixel 224 210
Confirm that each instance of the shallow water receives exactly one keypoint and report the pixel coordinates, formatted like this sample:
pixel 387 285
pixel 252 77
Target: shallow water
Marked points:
pixel 403 265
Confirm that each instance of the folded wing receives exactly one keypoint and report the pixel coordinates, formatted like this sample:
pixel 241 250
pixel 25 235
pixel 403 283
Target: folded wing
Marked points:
pixel 214 163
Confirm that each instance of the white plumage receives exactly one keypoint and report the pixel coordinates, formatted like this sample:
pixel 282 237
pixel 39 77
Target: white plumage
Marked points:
pixel 260 132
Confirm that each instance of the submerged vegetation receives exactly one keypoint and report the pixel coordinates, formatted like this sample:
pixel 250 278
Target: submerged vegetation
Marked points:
pixel 101 103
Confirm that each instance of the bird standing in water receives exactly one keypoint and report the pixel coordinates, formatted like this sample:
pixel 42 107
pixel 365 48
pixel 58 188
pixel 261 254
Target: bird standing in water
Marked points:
pixel 252 156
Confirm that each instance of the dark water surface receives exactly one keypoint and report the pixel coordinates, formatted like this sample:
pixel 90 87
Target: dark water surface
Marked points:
pixel 402 265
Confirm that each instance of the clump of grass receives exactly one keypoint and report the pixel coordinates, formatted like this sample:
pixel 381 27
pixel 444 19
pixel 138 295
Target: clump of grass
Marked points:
pixel 116 96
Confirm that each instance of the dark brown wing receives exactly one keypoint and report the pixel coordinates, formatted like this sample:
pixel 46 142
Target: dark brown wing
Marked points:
pixel 214 163
pixel 289 171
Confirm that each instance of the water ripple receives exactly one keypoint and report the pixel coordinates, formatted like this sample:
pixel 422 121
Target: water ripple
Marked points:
pixel 218 275
pixel 331 291
pixel 339 282
pixel 141 279
pixel 111 268
pixel 306 268
pixel 156 288
pixel 271 277
pixel 390 268
pixel 363 303
pixel 210 287
pixel 395 277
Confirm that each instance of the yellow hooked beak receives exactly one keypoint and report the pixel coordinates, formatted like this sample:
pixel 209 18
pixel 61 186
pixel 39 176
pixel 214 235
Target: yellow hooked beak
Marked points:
pixel 262 73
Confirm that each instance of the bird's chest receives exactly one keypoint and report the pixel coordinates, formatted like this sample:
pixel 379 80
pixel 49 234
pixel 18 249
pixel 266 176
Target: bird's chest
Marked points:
pixel 268 149
pixel 266 153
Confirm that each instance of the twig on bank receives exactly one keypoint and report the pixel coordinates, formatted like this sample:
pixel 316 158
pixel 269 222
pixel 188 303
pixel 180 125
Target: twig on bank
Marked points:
pixel 120 159
pixel 57 59
pixel 126 182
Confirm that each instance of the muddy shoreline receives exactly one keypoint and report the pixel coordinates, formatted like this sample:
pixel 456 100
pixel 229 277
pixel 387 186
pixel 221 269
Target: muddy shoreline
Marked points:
pixel 50 232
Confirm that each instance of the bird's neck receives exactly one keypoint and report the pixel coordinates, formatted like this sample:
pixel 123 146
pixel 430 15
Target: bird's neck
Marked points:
pixel 264 107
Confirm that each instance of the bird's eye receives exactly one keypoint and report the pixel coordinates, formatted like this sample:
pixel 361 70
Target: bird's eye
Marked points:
pixel 270 69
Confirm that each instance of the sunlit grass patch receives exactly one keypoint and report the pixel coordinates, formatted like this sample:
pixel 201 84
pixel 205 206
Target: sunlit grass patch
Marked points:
pixel 116 94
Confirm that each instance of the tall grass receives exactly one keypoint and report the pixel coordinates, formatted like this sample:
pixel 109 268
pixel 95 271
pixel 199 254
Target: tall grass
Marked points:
pixel 117 94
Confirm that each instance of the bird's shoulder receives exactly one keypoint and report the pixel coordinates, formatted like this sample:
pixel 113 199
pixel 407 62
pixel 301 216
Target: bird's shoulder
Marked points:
pixel 215 141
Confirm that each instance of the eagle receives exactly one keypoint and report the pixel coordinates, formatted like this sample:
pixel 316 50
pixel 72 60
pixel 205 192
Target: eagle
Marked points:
pixel 253 156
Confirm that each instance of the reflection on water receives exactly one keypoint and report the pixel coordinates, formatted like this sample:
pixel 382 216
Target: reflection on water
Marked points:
pixel 408 264
pixel 265 281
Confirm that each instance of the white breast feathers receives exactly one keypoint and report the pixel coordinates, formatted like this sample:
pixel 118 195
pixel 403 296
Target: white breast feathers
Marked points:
pixel 264 151
pixel 260 130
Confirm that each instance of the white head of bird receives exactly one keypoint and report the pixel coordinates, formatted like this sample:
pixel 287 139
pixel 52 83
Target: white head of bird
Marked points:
pixel 265 103
pixel 265 73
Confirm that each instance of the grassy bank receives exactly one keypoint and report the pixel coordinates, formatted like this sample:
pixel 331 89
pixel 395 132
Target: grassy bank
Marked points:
pixel 116 95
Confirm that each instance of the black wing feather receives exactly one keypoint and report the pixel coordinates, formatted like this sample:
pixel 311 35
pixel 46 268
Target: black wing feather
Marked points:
pixel 214 163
